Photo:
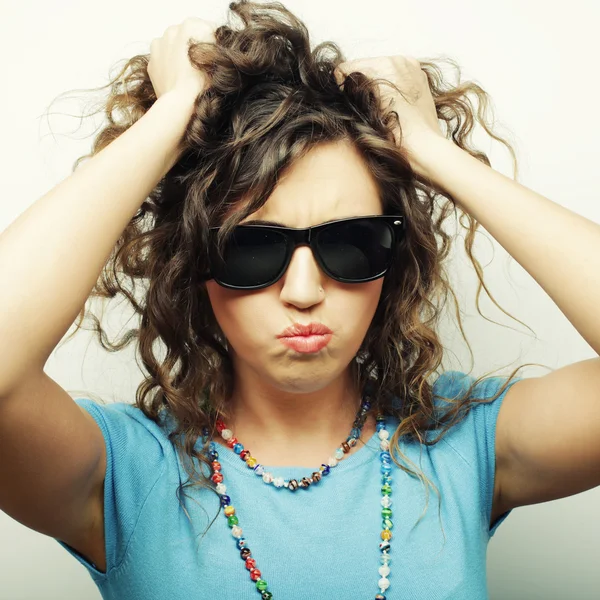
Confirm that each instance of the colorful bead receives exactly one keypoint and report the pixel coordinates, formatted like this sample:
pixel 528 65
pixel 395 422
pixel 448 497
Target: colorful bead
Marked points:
pixel 244 454
pixel 267 477
pixel 267 595
pixel 216 465
pixel 217 477
pixel 226 434
pixel 261 585
pixel 316 476
pixel 332 462
pixel 278 482
pixel 384 445
pixel 384 570
pixel 345 447
pixel 304 482
pixel 245 553
pixel 229 510
pixel 385 546
pixel 250 563
pixel 251 462
pixel 383 583
pixel 386 534
pixel 386 489
pixel 292 485
pixel 225 500
pixel 221 488
pixel 255 574
pixel 232 520
pixel 387 524
pixel 384 434
pixel 232 441
pixel 236 532
pixel 386 513
pixel 325 470
pixel 241 543
pixel 379 597
pixel 237 448
pixel 386 502
pixel 259 469
pixel 339 454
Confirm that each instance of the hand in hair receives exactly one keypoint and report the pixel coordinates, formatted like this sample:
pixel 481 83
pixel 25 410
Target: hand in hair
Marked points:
pixel 408 95
pixel 169 67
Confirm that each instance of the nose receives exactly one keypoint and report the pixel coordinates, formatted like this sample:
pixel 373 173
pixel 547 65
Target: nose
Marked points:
pixel 302 280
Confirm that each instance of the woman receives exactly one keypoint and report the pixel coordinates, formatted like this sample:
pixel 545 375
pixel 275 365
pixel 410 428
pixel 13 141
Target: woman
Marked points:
pixel 286 209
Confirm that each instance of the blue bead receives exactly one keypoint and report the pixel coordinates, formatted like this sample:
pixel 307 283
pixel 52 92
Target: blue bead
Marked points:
pixel 259 469
pixel 238 448
pixel 213 455
pixel 212 446
pixel 366 405
pixel 225 500
pixel 385 456
pixel 386 468
pixel 241 543
pixel 325 470
pixel 355 432
pixel 386 479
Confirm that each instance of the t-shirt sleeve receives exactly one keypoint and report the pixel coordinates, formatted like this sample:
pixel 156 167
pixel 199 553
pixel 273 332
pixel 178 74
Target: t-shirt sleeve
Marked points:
pixel 135 449
pixel 474 438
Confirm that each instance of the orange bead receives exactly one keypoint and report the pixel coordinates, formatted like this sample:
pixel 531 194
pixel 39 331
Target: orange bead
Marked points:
pixel 386 535
pixel 229 510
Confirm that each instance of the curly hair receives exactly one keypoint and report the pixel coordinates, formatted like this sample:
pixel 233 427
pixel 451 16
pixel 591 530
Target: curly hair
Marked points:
pixel 271 99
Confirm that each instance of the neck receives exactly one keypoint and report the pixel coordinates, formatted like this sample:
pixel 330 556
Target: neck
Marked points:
pixel 287 428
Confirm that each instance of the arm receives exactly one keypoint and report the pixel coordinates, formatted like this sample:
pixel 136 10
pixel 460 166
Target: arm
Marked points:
pixel 53 253
pixel 548 430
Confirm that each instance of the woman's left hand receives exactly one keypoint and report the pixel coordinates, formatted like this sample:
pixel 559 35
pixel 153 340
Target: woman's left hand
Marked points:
pixel 415 105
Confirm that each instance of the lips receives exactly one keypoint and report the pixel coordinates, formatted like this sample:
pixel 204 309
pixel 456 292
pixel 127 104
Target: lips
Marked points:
pixel 298 329
pixel 306 338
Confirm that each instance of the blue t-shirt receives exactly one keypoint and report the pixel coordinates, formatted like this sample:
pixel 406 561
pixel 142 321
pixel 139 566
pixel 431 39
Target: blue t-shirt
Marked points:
pixel 320 542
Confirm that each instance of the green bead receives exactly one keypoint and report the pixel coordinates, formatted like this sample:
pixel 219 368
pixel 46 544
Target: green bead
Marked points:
pixel 232 520
pixel 387 524
pixel 386 489
pixel 386 513
pixel 266 595
pixel 261 585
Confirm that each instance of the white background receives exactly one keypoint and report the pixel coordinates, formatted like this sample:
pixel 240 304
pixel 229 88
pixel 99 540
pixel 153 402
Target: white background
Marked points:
pixel 538 60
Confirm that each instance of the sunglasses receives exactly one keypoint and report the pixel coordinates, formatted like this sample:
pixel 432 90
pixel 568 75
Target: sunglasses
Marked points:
pixel 353 250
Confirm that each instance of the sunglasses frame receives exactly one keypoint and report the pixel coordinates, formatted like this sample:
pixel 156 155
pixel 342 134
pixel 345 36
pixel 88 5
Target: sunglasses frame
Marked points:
pixel 306 236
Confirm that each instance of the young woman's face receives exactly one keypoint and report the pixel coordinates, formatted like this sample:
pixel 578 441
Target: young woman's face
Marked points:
pixel 330 182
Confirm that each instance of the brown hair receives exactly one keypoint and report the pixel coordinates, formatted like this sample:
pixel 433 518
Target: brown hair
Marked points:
pixel 271 99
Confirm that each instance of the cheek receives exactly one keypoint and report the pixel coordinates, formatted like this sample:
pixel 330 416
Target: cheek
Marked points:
pixel 240 315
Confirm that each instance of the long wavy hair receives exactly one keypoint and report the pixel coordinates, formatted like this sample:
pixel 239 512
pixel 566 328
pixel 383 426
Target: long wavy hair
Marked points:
pixel 271 99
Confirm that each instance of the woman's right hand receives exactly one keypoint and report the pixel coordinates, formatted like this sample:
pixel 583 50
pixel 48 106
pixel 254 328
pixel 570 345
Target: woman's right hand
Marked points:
pixel 169 67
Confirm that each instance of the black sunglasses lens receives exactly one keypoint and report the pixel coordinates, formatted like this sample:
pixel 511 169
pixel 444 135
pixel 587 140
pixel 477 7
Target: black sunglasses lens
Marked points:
pixel 252 257
pixel 356 250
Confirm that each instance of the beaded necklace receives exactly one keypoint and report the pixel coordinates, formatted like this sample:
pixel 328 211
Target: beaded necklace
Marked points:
pixel 292 484
pixel 386 514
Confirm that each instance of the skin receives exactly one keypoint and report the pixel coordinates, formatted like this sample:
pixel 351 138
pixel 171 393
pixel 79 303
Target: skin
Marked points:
pixel 289 408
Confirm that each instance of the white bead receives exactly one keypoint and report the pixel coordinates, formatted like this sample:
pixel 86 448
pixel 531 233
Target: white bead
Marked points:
pixel 384 434
pixel 236 531
pixel 221 488
pixel 339 453
pixel 385 445
pixel 386 502
pixel 383 584
pixel 226 434
pixel 332 462
pixel 267 477
pixel 278 482
pixel 384 570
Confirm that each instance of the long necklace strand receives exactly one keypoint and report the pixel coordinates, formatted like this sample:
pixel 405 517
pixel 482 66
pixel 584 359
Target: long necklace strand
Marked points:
pixel 292 484
pixel 386 513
